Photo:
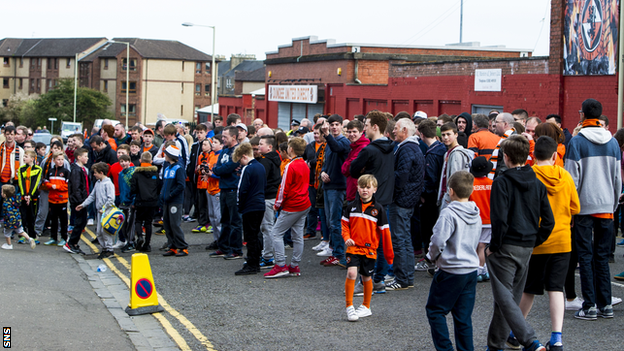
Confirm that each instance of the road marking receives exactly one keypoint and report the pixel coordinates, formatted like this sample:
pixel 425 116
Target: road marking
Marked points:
pixel 183 320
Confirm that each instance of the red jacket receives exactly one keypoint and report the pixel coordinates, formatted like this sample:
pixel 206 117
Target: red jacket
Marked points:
pixel 58 176
pixel 355 150
pixel 292 195
pixel 113 174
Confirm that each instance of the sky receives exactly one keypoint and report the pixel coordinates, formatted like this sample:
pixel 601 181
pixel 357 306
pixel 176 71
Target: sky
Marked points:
pixel 257 27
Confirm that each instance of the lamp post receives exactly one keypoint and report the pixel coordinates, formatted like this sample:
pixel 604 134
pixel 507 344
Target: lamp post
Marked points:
pixel 76 82
pixel 127 74
pixel 213 69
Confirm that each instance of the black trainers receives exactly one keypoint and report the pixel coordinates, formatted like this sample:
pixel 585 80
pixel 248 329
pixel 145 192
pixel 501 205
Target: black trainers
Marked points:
pixel 394 285
pixel 140 241
pixel 165 247
pixel 605 312
pixel 513 343
pixel 171 252
pixel 232 256
pixel 77 250
pixel 95 241
pixel 247 270
pixel 128 248
pixel 146 248
pixel 213 246
pixel 182 253
pixel 105 254
pixel 590 314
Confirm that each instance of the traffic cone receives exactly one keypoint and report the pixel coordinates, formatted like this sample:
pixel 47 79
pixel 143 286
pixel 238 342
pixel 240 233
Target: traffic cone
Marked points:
pixel 143 295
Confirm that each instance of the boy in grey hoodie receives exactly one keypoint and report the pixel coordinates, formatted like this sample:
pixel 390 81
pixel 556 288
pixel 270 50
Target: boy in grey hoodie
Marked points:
pixel 453 249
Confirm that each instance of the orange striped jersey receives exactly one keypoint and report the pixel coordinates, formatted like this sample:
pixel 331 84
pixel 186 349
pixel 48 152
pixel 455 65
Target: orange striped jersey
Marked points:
pixel 481 196
pixel 366 224
pixel 58 176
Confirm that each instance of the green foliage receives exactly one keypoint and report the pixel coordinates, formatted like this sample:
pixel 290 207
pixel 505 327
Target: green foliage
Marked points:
pixel 20 110
pixel 59 103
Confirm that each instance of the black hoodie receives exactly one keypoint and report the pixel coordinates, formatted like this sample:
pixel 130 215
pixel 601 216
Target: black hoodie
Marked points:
pixel 519 209
pixel 78 190
pixel 145 183
pixel 377 158
pixel 271 162
pixel 462 137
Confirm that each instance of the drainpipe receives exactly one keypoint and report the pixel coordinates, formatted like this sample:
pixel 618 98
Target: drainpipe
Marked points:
pixel 356 73
pixel 301 54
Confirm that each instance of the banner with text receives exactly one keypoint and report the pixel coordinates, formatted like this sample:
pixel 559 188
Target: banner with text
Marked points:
pixel 293 93
pixel 590 37
pixel 488 79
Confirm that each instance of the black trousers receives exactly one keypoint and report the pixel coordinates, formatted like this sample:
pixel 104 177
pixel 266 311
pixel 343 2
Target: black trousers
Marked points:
pixel 28 213
pixel 428 218
pixel 80 222
pixel 58 213
pixel 201 206
pixel 144 217
pixel 251 230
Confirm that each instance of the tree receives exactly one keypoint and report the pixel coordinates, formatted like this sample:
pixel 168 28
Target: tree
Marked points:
pixel 59 103
pixel 20 110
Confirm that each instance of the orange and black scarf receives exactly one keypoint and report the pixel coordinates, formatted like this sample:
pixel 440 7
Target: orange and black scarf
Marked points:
pixel 320 159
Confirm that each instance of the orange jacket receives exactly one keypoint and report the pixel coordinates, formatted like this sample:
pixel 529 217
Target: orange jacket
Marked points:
pixel 366 224
pixel 564 202
pixel 481 196
pixel 58 176
pixel 213 183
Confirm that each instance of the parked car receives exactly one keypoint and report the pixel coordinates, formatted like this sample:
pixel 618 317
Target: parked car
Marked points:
pixel 69 128
pixel 42 137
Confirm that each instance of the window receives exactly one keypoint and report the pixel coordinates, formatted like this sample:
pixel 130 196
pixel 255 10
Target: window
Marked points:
pixel 131 107
pixel 132 88
pixel 21 62
pixel 105 63
pixel 207 67
pixel 182 87
pixel 197 89
pixel 182 66
pixel 5 83
pixel 50 82
pixel 56 61
pixel 181 110
pixel 33 63
pixel 198 67
pixel 49 63
pixel 207 89
pixel 105 85
pixel 228 83
pixel 68 62
pixel 32 84
pixel 133 64
pixel 20 83
pixel 7 63
pixel 38 85
pixel 5 102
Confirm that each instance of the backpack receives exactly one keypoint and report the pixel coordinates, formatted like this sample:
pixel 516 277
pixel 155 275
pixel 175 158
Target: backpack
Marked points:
pixel 112 219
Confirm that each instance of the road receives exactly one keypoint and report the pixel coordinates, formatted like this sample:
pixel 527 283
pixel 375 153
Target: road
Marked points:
pixel 208 307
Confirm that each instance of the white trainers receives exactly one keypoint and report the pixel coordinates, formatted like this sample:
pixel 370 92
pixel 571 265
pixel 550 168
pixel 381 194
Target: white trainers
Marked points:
pixel 574 305
pixel 363 311
pixel 321 246
pixel 32 243
pixel 326 252
pixel 119 244
pixel 7 246
pixel 90 222
pixel 351 314
pixel 615 300
pixel 421 266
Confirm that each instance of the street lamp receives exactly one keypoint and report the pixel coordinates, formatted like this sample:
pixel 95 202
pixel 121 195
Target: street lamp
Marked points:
pixel 127 74
pixel 213 74
pixel 76 82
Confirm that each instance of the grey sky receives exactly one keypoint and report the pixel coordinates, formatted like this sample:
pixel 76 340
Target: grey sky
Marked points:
pixel 255 27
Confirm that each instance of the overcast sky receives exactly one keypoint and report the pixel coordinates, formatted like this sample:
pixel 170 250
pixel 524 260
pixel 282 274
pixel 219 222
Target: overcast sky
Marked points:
pixel 255 27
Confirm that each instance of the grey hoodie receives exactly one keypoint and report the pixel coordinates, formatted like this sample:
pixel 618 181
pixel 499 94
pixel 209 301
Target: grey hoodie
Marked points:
pixel 455 238
pixel 103 193
pixel 458 160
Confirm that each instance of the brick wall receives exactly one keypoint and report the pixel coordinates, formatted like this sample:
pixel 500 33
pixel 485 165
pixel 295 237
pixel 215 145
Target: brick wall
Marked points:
pixel 326 71
pixel 508 67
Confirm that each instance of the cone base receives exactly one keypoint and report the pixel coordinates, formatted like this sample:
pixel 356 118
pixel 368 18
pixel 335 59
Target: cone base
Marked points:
pixel 144 310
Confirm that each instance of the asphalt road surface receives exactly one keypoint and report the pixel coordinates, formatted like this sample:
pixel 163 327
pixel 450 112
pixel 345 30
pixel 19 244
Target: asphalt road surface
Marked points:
pixel 308 312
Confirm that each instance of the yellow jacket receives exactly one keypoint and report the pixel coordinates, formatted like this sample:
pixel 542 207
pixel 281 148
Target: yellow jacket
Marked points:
pixel 564 202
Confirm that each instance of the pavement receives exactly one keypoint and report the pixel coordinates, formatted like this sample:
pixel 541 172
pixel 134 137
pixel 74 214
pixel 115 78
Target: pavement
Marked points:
pixel 70 306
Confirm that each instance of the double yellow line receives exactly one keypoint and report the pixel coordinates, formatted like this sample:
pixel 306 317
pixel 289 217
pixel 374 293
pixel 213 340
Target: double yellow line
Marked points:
pixel 175 335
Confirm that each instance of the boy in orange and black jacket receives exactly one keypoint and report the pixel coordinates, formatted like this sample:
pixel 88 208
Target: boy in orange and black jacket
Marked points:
pixel 56 181
pixel 364 225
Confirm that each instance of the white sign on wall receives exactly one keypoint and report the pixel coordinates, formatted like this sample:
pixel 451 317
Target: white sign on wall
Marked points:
pixel 293 93
pixel 488 79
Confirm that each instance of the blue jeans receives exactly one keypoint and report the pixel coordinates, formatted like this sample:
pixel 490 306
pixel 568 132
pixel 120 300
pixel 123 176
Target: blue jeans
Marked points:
pixel 231 238
pixel 381 265
pixel 400 221
pixel 334 200
pixel 593 257
pixel 313 214
pixel 453 293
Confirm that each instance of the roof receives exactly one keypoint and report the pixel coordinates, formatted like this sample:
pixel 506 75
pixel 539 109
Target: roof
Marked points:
pixel 251 76
pixel 42 47
pixel 165 49
pixel 245 66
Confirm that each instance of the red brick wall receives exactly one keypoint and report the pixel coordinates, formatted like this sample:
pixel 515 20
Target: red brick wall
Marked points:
pixel 325 70
pixel 578 88
pixel 373 72
pixel 509 67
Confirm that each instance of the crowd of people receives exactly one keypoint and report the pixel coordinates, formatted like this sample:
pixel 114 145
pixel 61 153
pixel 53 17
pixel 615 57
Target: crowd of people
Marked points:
pixel 504 198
